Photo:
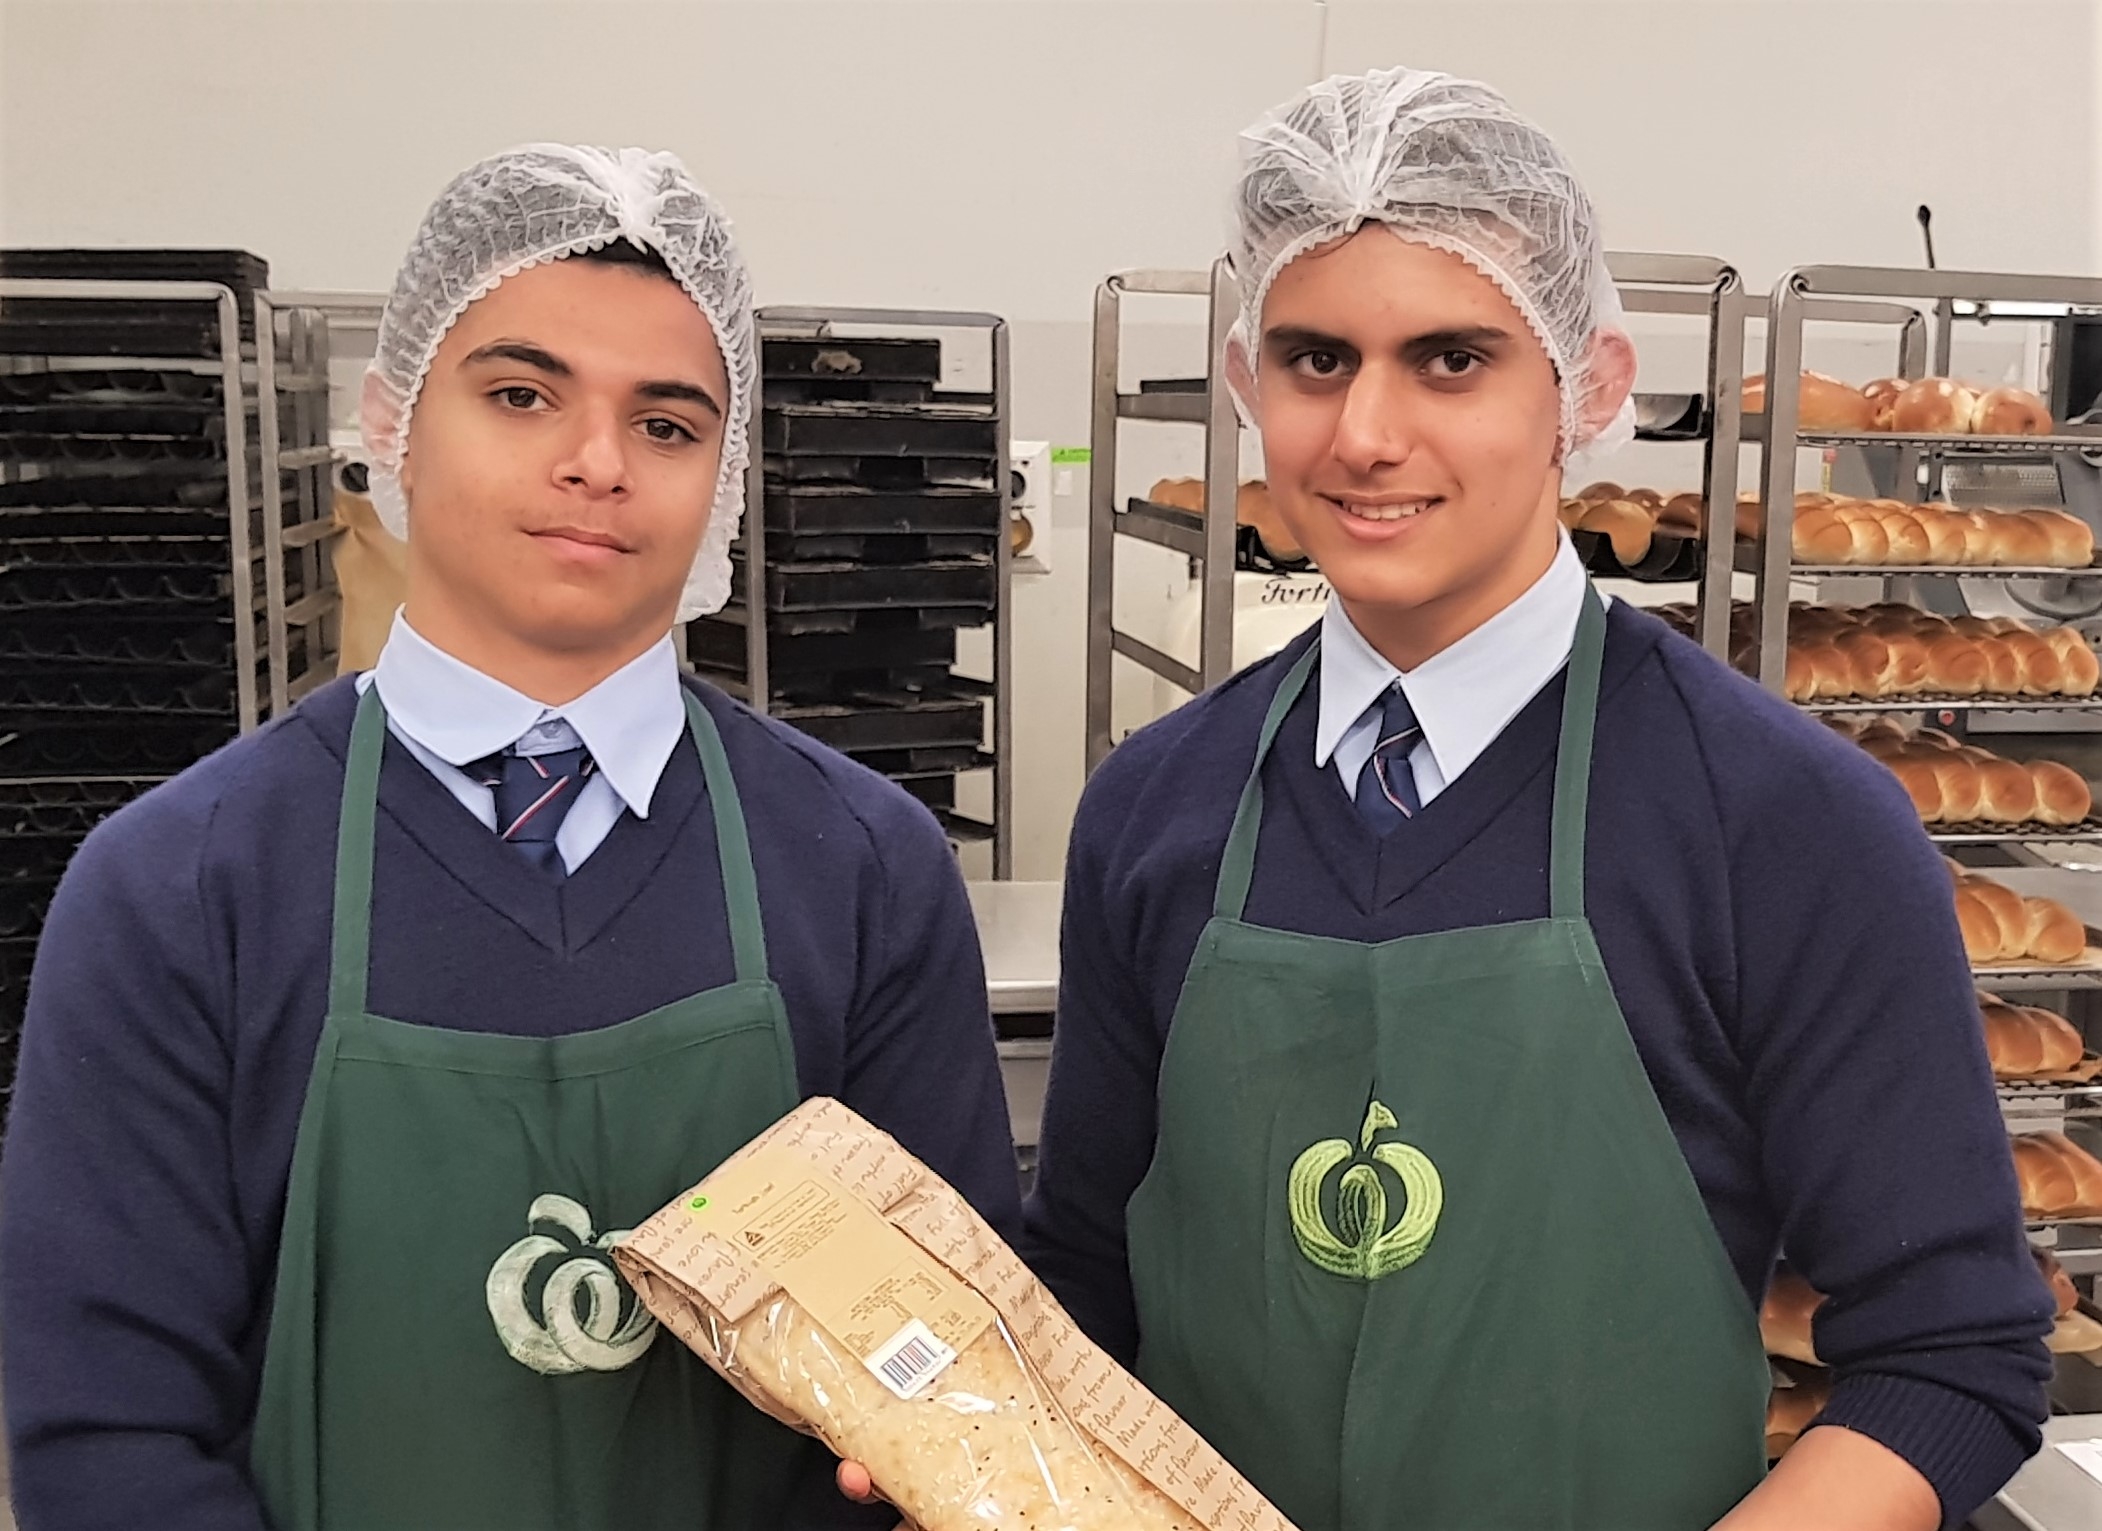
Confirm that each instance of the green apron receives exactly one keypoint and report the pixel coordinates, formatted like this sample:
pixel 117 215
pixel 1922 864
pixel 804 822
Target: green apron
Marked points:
pixel 1418 1250
pixel 450 1347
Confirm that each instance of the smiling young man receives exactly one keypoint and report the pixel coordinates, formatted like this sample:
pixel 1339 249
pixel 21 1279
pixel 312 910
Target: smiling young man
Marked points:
pixel 352 1049
pixel 1460 1010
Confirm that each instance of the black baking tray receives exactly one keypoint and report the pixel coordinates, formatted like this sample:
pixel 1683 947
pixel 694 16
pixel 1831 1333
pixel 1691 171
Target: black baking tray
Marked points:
pixel 126 388
pixel 112 591
pixel 810 390
pixel 189 484
pixel 59 640
pixel 837 509
pixel 797 623
pixel 850 586
pixel 890 359
pixel 879 548
pixel 141 745
pixel 927 763
pixel 101 691
pixel 68 417
pixel 879 430
pixel 239 270
pixel 884 472
pixel 915 723
pixel 1669 560
pixel 721 644
pixel 39 522
pixel 21 553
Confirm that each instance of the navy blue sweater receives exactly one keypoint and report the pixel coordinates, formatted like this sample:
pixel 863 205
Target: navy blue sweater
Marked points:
pixel 1781 938
pixel 179 994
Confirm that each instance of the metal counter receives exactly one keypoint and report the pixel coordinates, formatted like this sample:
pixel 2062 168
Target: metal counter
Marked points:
pixel 1018 928
pixel 2053 1493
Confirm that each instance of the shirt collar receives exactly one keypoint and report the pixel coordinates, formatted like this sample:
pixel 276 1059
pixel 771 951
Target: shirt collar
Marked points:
pixel 630 721
pixel 1464 695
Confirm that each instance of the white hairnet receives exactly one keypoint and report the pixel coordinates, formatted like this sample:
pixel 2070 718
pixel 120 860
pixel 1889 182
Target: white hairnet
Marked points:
pixel 540 203
pixel 1447 163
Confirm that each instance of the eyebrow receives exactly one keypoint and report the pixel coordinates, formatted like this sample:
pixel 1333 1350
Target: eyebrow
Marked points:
pixel 542 360
pixel 1468 337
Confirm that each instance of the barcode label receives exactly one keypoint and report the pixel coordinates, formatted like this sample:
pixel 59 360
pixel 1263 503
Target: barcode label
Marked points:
pixel 911 1359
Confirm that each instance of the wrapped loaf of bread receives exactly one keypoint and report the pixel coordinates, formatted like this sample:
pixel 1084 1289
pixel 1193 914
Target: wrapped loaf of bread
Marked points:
pixel 846 1290
pixel 2059 1179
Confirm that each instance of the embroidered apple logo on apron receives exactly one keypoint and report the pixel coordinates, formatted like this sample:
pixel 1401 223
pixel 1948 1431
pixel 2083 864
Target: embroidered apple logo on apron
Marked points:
pixel 559 1342
pixel 1363 1247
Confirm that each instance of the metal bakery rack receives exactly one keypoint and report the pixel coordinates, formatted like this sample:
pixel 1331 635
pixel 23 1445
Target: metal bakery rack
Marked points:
pixel 876 537
pixel 164 505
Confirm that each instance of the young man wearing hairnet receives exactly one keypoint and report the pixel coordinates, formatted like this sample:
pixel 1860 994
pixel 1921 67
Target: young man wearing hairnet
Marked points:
pixel 352 1049
pixel 1460 1010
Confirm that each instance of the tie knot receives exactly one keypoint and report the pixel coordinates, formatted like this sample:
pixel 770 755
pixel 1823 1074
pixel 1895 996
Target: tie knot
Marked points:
pixel 1397 719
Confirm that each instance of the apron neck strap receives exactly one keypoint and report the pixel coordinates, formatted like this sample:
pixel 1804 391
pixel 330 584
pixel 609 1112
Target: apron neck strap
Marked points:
pixel 1572 774
pixel 733 845
pixel 350 939
pixel 1237 864
pixel 1573 761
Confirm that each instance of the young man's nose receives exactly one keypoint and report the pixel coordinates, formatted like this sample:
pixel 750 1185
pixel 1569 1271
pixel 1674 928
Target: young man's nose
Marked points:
pixel 595 457
pixel 1373 430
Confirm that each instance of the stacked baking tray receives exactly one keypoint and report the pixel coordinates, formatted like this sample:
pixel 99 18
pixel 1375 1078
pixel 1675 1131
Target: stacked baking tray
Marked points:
pixel 878 525
pixel 118 653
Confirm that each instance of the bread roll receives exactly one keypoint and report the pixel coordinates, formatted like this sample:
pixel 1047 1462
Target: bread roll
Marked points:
pixel 2014 1044
pixel 1977 537
pixel 1882 396
pixel 1934 406
pixel 1684 513
pixel 1627 527
pixel 2018 542
pixel 2062 794
pixel 2060 1043
pixel 1604 489
pixel 1945 539
pixel 2072 540
pixel 1755 394
pixel 1179 494
pixel 2010 412
pixel 2081 671
pixel 1982 941
pixel 1956 666
pixel 2006 792
pixel 1253 508
pixel 1908 539
pixel 2052 934
pixel 2039 669
pixel 1868 663
pixel 2064 1295
pixel 1649 499
pixel 1751 516
pixel 1923 784
pixel 2003 670
pixel 1785 1317
pixel 2008 910
pixel 1961 785
pixel 1826 404
pixel 1820 537
pixel 1908 664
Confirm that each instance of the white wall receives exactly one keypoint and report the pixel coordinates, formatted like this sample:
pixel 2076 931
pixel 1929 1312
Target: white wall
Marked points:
pixel 1005 154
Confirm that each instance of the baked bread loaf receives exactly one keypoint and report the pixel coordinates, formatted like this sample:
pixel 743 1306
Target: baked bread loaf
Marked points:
pixel 1179 494
pixel 1823 403
pixel 1882 396
pixel 1934 406
pixel 2058 1178
pixel 2010 412
pixel 1791 1411
pixel 2025 1042
pixel 1014 1432
pixel 2074 1332
pixel 1785 1317
pixel 2001 926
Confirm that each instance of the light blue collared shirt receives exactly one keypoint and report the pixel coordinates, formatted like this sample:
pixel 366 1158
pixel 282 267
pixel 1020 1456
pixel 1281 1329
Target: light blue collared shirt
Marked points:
pixel 1463 696
pixel 450 714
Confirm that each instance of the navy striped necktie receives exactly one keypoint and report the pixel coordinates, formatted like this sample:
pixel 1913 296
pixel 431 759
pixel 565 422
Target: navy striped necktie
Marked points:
pixel 534 794
pixel 1386 793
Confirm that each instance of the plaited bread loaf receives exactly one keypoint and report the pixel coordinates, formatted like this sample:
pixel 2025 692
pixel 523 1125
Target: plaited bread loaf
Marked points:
pixel 2000 926
pixel 2058 1178
pixel 2025 1042
pixel 1014 1433
pixel 1929 655
pixel 2062 794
